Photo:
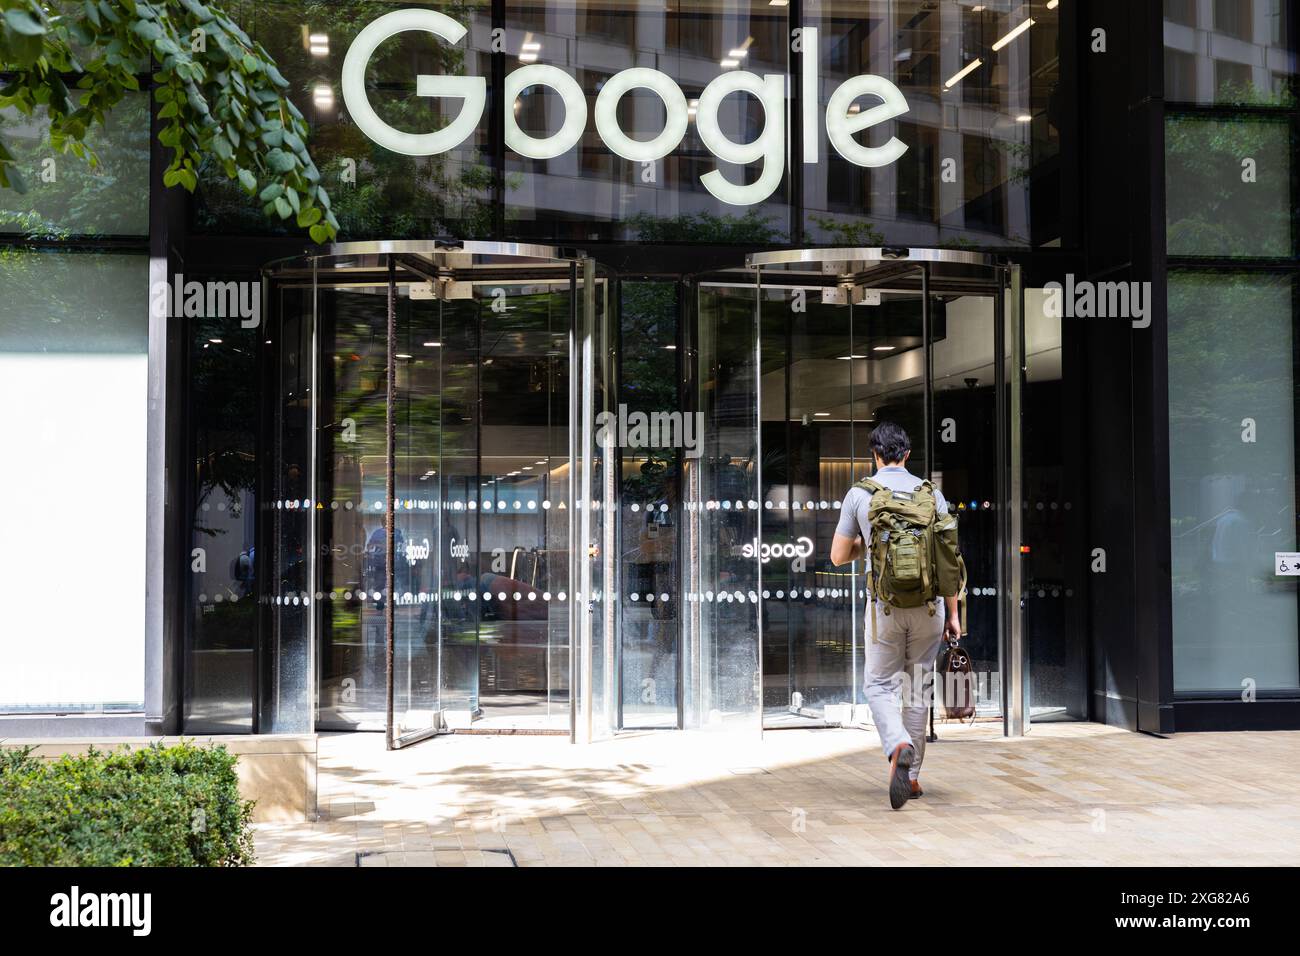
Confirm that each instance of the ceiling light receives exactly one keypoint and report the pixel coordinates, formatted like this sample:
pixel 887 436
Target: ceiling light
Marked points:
pixel 778 3
pixel 957 77
pixel 884 348
pixel 528 467
pixel 821 414
pixel 529 49
pixel 1024 118
pixel 729 64
pixel 540 461
pixel 215 341
pixel 845 358
pixel 323 95
pixel 432 345
pixel 670 347
pixel 1015 32
pixel 738 53
pixel 1051 4
pixel 401 355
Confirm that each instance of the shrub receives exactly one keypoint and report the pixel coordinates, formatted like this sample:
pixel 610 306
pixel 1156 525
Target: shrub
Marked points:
pixel 156 806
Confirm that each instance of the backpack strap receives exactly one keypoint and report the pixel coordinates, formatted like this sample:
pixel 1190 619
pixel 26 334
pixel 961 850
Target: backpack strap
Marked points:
pixel 872 488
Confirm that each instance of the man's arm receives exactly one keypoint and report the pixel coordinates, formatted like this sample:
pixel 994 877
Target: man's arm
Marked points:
pixel 951 623
pixel 847 544
pixel 845 549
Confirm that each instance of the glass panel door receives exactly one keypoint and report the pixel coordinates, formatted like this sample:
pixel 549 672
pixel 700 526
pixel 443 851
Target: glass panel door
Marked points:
pixel 722 656
pixel 966 459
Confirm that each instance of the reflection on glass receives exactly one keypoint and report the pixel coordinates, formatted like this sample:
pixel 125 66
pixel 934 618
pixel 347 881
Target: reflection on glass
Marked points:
pixel 1052 458
pixel 66 196
pixel 650 510
pixel 1232 482
pixel 721 673
pixel 374 192
pixel 523 437
pixel 220 667
pixel 808 466
pixel 590 191
pixel 966 469
pixel 1230 52
pixel 1219 203
pixel 985 108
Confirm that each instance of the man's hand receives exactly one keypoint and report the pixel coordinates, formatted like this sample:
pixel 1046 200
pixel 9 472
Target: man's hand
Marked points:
pixel 952 619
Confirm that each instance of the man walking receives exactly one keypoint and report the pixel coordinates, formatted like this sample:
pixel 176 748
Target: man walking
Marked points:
pixel 904 640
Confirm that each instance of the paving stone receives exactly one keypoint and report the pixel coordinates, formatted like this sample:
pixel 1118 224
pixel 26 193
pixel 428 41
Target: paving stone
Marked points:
pixel 1068 794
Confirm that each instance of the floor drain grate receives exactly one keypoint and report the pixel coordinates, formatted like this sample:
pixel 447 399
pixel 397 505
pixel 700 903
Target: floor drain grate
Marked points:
pixel 505 851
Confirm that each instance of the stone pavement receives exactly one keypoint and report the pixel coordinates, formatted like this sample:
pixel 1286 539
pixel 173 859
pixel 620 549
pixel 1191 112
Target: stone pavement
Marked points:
pixel 1074 794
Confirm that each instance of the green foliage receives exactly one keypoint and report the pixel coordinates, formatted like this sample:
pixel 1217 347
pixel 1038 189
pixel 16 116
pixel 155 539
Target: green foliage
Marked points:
pixel 158 806
pixel 221 95
pixel 1211 210
pixel 374 191
pixel 752 227
pixel 849 233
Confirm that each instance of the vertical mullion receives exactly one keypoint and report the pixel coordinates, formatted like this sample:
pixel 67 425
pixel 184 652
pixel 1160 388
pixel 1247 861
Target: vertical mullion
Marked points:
pixel 390 490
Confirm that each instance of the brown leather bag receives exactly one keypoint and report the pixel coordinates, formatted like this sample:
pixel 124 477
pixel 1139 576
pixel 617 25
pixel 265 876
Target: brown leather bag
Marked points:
pixel 957 683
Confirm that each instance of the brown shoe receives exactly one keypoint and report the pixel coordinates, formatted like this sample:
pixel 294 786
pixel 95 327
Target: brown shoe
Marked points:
pixel 900 765
pixel 916 789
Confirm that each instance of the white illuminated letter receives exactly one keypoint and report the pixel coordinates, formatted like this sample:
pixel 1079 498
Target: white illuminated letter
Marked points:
pixel 575 111
pixel 472 89
pixel 841 124
pixel 607 114
pixel 770 145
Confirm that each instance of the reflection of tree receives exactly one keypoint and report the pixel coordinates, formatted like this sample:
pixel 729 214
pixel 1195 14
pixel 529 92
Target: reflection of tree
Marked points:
pixel 649 376
pixel 849 233
pixel 393 195
pixel 103 200
pixel 705 227
pixel 1211 211
pixel 1226 364
pixel 222 100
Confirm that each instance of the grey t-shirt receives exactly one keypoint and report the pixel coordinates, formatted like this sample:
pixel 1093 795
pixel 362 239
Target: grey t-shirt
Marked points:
pixel 853 514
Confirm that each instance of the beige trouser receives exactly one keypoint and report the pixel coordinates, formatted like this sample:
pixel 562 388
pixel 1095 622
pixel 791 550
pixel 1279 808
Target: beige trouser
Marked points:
pixel 902 659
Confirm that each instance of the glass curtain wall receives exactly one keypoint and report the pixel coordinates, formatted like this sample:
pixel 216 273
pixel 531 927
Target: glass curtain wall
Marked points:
pixel 751 162
pixel 1231 129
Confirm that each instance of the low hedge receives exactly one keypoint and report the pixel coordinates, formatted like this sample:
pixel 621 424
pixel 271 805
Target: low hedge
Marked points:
pixel 154 806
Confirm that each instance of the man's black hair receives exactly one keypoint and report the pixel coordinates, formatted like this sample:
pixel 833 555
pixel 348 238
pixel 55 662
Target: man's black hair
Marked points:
pixel 890 442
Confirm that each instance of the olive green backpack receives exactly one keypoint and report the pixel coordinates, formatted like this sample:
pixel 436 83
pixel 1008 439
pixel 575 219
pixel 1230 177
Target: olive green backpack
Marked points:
pixel 914 554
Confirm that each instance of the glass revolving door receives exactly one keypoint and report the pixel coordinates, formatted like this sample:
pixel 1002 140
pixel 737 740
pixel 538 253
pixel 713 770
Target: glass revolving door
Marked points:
pixel 849 338
pixel 418 565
